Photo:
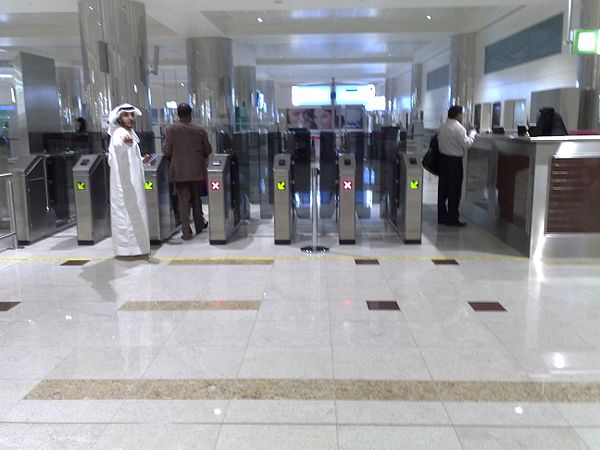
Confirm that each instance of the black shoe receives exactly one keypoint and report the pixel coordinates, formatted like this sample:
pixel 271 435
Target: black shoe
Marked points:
pixel 458 223
pixel 204 225
pixel 442 222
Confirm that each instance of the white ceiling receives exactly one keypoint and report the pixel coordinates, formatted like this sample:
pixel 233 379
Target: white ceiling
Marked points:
pixel 306 41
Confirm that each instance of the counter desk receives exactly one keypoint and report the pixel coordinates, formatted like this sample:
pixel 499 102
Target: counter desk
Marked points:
pixel 540 195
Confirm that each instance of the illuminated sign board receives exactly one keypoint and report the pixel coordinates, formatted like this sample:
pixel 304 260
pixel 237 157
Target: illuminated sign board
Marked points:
pixel 586 42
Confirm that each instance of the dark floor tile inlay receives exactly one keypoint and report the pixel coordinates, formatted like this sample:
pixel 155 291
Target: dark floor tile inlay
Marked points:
pixel 445 262
pixel 5 306
pixel 366 262
pixel 382 305
pixel 75 262
pixel 487 306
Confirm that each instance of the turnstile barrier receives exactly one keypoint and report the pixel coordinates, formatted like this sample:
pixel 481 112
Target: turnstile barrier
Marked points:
pixel 282 198
pixel 285 208
pixel 92 201
pixel 402 202
pixel 347 199
pixel 410 198
pixel 161 218
pixel 223 198
pixel 35 219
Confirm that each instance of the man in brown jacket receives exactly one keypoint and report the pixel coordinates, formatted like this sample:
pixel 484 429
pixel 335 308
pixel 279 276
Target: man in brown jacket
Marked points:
pixel 187 146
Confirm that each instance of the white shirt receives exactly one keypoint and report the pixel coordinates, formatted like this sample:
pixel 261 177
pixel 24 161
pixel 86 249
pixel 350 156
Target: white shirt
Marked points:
pixel 453 139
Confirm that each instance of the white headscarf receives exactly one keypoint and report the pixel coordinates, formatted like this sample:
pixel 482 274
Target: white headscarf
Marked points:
pixel 116 113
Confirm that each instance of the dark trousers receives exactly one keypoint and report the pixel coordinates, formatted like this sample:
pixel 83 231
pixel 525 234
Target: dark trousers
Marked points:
pixel 449 188
pixel 189 200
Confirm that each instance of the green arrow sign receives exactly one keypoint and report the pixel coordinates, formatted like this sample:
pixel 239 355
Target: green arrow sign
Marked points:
pixel 81 185
pixel 414 184
pixel 281 185
pixel 149 185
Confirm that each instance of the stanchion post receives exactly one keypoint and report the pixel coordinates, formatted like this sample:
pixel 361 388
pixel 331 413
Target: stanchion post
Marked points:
pixel 11 211
pixel 315 207
pixel 12 214
pixel 314 187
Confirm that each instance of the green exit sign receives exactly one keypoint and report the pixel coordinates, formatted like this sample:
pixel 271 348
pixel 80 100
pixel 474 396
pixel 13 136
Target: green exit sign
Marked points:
pixel 586 42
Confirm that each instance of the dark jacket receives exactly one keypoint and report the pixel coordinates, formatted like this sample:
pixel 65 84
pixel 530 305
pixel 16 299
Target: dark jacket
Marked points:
pixel 549 123
pixel 187 146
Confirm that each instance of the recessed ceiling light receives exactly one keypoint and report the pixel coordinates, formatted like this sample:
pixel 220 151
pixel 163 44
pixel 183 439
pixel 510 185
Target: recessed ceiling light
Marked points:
pixel 91 8
pixel 428 17
pixel 259 19
pixel 182 84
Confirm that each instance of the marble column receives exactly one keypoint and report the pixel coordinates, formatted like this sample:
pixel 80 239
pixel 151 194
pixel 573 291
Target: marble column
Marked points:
pixel 210 82
pixel 114 45
pixel 416 93
pixel 36 94
pixel 69 96
pixel 245 93
pixel 462 73
pixel 268 114
pixel 391 101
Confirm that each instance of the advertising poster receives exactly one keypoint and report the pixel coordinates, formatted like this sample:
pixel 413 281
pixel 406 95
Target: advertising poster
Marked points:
pixel 324 118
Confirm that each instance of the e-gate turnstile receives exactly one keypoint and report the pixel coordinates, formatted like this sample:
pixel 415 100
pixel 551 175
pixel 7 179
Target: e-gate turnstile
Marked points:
pixel 35 219
pixel 284 188
pixel 409 214
pixel 92 201
pixel 347 199
pixel 223 198
pixel 282 198
pixel 161 218
pixel 404 203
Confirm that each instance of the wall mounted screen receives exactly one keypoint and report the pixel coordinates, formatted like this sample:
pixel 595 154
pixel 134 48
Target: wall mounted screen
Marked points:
pixel 538 41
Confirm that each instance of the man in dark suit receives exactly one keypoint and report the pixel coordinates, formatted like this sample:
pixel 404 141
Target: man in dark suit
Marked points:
pixel 187 146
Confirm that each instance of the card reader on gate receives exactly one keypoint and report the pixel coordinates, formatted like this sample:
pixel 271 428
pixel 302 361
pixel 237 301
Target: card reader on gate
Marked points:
pixel 282 162
pixel 347 162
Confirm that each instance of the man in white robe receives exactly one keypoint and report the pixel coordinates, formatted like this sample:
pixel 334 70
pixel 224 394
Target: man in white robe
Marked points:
pixel 128 212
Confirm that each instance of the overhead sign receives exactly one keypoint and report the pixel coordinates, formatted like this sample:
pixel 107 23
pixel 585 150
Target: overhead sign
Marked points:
pixel 81 185
pixel 149 185
pixel 347 185
pixel 215 185
pixel 414 184
pixel 281 185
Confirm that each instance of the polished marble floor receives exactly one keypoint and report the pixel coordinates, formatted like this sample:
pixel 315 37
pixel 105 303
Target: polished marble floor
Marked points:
pixel 256 346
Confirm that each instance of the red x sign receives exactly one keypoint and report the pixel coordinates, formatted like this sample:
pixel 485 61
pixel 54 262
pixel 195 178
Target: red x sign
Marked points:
pixel 215 185
pixel 347 185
